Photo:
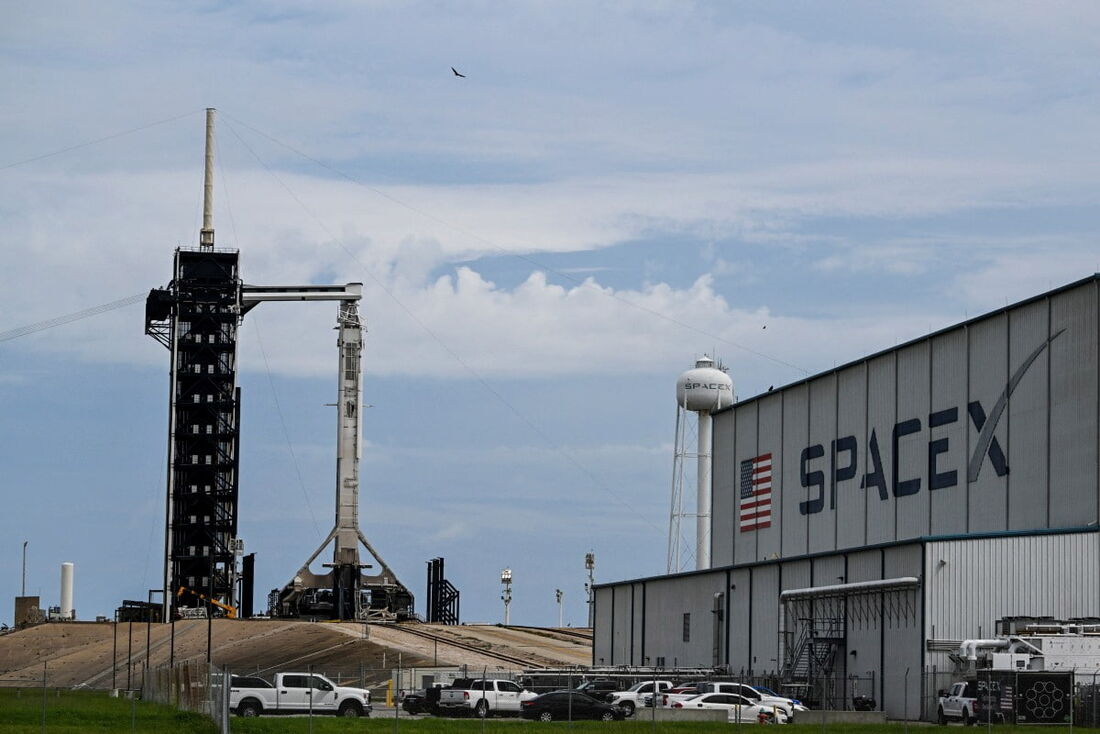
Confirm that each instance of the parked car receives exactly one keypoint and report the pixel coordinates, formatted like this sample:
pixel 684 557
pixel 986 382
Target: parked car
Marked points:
pixel 415 702
pixel 788 706
pixel 636 695
pixel 769 692
pixel 739 709
pixel 567 705
pixel 599 689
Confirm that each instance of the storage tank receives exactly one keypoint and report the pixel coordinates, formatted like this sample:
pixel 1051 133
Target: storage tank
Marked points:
pixel 66 590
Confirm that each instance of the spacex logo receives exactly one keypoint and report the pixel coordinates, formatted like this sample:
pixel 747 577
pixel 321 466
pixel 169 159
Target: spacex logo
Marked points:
pixel 706 386
pixel 843 452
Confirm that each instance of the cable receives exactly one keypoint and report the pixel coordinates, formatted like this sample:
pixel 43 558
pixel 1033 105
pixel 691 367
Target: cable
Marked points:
pixel 69 318
pixel 97 140
pixel 282 422
pixel 493 246
pixel 454 355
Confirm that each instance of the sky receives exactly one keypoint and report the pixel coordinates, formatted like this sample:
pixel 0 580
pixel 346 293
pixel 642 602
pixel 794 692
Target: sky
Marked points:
pixel 614 189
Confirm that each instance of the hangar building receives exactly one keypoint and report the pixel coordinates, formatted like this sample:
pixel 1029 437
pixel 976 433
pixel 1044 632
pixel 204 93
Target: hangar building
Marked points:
pixel 918 495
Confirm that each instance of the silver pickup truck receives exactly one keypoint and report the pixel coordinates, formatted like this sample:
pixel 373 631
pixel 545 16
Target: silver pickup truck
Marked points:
pixel 296 693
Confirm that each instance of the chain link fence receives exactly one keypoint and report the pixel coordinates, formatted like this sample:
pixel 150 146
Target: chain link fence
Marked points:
pixel 201 688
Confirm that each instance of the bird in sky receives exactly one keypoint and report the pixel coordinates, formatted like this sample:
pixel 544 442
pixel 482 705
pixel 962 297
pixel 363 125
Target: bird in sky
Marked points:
pixel 456 72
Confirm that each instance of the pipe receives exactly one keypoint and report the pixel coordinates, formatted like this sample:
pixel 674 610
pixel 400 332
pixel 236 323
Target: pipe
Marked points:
pixel 969 648
pixel 702 496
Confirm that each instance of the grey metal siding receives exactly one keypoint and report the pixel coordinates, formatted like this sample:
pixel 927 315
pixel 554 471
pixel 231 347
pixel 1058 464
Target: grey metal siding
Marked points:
pixel 972 583
pixel 724 507
pixel 851 497
pixel 745 449
pixel 601 636
pixel 913 402
pixel 765 618
pixel 987 506
pixel 1027 418
pixel 770 441
pixel 741 623
pixel 1074 408
pixel 796 420
pixel 1007 406
pixel 620 636
pixel 947 503
pixel 822 525
pixel 667 601
pixel 881 416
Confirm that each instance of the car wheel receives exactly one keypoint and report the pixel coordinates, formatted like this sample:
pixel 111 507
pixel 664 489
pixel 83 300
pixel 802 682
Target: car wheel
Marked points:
pixel 482 709
pixel 607 716
pixel 628 707
pixel 941 718
pixel 249 709
pixel 546 716
pixel 350 709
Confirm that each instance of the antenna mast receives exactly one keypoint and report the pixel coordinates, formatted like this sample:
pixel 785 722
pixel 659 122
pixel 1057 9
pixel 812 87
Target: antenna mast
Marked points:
pixel 206 236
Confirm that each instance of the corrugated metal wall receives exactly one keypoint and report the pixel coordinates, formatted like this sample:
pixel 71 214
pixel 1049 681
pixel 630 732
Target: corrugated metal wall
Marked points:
pixel 973 583
pixel 990 426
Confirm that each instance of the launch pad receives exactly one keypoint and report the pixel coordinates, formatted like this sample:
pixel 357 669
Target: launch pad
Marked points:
pixel 197 318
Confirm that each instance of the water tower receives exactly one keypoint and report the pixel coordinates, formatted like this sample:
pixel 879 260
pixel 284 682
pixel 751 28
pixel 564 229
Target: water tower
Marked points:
pixel 701 390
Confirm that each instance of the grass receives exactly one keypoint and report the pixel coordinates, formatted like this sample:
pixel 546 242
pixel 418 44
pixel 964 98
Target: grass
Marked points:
pixel 90 712
pixel 428 725
pixel 93 712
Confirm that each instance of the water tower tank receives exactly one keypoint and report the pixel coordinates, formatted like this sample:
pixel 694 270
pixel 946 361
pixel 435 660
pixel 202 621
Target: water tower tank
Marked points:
pixel 704 388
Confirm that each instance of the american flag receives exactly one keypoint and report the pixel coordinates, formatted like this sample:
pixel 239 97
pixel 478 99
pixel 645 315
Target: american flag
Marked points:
pixel 756 493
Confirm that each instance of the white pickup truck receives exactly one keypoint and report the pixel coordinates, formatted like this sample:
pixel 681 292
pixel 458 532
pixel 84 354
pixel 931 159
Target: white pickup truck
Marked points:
pixel 755 697
pixel 484 698
pixel 964 702
pixel 295 693
pixel 635 696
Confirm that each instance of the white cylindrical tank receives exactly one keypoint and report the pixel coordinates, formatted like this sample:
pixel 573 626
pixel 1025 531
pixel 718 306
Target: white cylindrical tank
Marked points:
pixel 66 590
pixel 704 388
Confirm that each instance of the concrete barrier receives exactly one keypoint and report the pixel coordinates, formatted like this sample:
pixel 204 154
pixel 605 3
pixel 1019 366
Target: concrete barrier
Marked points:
pixel 840 717
pixel 663 714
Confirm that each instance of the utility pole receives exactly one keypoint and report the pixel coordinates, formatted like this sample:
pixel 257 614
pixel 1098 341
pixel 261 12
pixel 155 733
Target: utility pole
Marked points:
pixel 590 564
pixel 506 597
pixel 24 592
pixel 559 595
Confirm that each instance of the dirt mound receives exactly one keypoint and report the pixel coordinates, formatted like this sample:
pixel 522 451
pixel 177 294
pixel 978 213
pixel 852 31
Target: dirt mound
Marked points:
pixel 80 653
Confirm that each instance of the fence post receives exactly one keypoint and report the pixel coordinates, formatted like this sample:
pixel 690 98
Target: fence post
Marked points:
pixel 906 704
pixel 1072 698
pixel 309 670
pixel 226 685
pixel 44 664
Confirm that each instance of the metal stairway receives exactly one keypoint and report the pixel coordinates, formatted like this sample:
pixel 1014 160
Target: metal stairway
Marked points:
pixel 813 653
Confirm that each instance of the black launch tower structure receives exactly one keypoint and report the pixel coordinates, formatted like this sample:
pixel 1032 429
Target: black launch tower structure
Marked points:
pixel 196 318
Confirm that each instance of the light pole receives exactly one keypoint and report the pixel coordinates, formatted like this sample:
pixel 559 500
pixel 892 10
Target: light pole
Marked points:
pixel 590 564
pixel 559 595
pixel 24 593
pixel 506 597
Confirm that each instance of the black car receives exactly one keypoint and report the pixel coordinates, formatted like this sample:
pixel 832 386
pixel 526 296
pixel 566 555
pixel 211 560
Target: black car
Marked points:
pixel 415 702
pixel 568 705
pixel 600 688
